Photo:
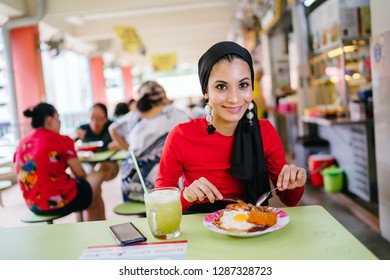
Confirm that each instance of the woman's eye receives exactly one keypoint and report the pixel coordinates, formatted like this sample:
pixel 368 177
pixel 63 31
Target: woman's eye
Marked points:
pixel 244 85
pixel 221 87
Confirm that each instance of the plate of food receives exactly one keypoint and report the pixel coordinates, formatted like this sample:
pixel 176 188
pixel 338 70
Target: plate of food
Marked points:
pixel 246 220
pixel 89 146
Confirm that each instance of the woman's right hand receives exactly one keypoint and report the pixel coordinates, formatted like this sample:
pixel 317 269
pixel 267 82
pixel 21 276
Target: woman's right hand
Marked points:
pixel 201 189
pixel 80 134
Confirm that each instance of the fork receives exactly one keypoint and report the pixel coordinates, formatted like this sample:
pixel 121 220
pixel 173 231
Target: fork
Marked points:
pixel 264 196
pixel 230 199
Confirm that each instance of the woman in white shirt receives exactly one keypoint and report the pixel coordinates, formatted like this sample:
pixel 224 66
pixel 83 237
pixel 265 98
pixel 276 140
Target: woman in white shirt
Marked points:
pixel 144 131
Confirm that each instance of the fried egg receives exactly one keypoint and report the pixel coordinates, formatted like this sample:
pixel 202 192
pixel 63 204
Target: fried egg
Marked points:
pixel 235 220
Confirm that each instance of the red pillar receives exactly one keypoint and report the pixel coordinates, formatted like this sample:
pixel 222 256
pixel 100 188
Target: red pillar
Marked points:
pixel 98 82
pixel 127 82
pixel 28 73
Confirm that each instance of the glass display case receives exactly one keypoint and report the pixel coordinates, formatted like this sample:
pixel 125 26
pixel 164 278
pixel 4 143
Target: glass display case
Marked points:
pixel 337 76
pixel 340 57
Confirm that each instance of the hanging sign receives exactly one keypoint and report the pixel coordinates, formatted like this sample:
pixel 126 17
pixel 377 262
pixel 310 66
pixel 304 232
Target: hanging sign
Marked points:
pixel 130 40
pixel 164 62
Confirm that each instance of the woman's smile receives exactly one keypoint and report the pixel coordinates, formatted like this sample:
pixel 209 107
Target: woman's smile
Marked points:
pixel 233 110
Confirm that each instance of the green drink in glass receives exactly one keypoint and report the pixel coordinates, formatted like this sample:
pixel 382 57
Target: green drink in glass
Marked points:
pixel 163 211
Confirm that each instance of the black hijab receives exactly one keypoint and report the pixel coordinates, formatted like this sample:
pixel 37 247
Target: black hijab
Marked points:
pixel 248 162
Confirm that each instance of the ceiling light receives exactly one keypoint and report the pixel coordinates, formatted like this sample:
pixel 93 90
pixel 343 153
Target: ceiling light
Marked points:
pixel 75 20
pixel 350 48
pixel 335 79
pixel 335 52
pixel 339 51
pixel 356 76
pixel 308 3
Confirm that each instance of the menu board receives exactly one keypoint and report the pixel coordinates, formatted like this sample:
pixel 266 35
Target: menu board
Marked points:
pixel 336 20
pixel 164 62
pixel 130 40
pixel 324 24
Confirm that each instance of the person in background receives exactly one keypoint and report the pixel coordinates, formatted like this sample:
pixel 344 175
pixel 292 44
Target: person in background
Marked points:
pixel 97 128
pixel 41 161
pixel 132 104
pixel 230 153
pixel 196 110
pixel 143 131
pixel 122 108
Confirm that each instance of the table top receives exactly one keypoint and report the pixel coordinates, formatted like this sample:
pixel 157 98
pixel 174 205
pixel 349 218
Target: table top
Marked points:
pixel 312 233
pixel 107 155
pixel 97 156
pixel 120 155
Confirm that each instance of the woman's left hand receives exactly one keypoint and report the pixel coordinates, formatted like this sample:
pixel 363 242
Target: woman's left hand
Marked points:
pixel 291 177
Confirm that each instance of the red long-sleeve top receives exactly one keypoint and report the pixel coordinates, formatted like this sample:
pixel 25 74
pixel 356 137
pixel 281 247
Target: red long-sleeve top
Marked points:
pixel 190 151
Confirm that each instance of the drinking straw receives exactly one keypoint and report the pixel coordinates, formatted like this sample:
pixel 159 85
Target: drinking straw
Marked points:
pixel 138 171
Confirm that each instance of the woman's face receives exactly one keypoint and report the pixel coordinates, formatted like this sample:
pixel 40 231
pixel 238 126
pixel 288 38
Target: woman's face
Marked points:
pixel 229 91
pixel 53 123
pixel 98 120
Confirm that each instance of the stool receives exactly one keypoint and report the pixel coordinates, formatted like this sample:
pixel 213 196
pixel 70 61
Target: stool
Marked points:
pixel 31 217
pixel 4 185
pixel 131 208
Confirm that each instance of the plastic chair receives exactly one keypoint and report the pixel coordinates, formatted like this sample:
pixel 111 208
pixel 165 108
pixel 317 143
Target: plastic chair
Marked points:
pixel 130 208
pixel 30 217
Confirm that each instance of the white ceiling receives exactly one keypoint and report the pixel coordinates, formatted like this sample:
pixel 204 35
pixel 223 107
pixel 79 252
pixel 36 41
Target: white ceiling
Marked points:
pixel 184 27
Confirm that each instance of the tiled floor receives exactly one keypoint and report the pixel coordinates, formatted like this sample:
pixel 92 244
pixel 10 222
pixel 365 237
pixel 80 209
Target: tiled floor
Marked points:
pixel 338 205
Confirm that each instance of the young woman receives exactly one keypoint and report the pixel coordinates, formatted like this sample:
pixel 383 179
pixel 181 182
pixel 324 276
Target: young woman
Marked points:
pixel 229 153
pixel 41 160
pixel 97 128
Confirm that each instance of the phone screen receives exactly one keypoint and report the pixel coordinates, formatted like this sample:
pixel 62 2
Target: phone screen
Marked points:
pixel 127 234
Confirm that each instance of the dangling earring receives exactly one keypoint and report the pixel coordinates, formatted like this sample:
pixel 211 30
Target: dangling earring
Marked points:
pixel 250 114
pixel 209 118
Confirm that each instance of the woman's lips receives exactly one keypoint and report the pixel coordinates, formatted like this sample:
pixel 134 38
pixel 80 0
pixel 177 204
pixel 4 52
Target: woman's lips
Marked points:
pixel 233 110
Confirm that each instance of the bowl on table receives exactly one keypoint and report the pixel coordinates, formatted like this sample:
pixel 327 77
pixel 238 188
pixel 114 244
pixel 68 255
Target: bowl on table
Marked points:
pixel 89 146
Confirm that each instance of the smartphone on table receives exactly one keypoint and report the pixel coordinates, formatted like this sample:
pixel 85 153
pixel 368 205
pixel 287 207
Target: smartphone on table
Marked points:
pixel 127 234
